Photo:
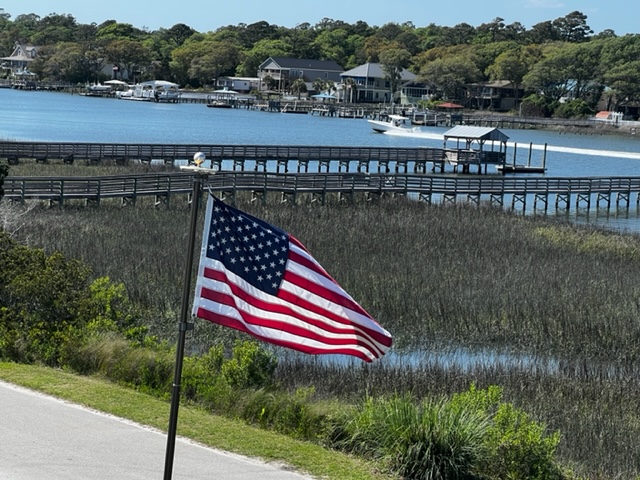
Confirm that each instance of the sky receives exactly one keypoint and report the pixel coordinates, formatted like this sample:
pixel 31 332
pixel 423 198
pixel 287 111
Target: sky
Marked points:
pixel 621 16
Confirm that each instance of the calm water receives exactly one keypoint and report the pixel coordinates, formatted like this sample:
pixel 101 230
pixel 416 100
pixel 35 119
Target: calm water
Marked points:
pixel 50 116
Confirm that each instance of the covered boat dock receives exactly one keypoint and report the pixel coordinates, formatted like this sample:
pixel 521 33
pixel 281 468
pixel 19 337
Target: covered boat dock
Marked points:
pixel 482 146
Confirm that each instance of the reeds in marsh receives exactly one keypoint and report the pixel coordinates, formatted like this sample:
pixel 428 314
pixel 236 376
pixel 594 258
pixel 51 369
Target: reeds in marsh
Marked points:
pixel 30 168
pixel 437 277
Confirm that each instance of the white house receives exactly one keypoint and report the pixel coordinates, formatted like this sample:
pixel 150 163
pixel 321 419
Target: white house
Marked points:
pixel 238 84
pixel 18 62
pixel 373 86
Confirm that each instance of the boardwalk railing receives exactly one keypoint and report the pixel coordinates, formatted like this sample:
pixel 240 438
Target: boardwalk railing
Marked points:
pixel 241 157
pixel 541 193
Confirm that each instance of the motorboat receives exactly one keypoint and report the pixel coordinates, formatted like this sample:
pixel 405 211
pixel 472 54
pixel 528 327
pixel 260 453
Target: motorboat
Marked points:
pixel 98 87
pixel 152 91
pixel 218 104
pixel 389 123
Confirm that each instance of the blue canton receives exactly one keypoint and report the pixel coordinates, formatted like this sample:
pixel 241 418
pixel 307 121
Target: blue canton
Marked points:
pixel 247 246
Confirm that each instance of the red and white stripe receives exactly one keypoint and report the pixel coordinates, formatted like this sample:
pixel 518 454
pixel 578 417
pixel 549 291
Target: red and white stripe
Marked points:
pixel 310 313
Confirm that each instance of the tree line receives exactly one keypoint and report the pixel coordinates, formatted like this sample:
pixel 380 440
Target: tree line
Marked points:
pixel 552 60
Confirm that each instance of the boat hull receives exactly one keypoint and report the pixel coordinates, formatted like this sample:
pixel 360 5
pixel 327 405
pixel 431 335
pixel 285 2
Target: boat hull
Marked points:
pixel 380 126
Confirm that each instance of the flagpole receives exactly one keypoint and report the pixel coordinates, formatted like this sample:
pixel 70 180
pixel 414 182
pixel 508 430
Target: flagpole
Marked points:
pixel 184 325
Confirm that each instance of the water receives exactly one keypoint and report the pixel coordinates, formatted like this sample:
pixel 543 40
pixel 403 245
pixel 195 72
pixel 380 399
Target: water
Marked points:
pixel 61 117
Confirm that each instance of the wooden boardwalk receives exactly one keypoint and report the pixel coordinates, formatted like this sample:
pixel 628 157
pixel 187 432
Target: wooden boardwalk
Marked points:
pixel 241 157
pixel 538 194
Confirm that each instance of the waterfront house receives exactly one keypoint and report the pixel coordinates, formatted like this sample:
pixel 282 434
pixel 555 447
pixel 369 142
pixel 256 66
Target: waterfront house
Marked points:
pixel 499 96
pixel 284 71
pixel 238 84
pixel 20 59
pixel 372 85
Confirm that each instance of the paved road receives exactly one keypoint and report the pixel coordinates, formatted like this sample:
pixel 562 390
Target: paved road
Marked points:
pixel 43 437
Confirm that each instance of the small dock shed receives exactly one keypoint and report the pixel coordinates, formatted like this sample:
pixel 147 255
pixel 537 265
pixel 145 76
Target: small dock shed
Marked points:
pixel 465 146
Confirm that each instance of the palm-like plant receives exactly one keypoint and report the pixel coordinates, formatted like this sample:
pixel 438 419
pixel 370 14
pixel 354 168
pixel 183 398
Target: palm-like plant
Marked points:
pixel 298 86
pixel 318 85
pixel 350 86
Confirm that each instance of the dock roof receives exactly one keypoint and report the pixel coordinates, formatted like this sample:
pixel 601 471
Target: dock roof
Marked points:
pixel 476 133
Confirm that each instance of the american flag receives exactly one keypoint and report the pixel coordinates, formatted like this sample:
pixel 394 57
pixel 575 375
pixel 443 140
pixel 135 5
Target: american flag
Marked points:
pixel 258 279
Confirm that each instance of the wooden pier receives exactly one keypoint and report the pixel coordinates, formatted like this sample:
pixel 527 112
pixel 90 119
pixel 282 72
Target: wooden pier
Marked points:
pixel 524 194
pixel 258 158
pixel 239 157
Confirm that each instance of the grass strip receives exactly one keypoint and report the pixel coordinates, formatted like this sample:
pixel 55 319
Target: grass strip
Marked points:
pixel 194 423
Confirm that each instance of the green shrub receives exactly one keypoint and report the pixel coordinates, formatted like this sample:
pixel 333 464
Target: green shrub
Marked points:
pixel 250 366
pixel 431 439
pixel 107 308
pixel 201 379
pixel 473 434
pixel 518 448
pixel 291 414
pixel 40 295
pixel 573 109
pixel 50 305
pixel 538 106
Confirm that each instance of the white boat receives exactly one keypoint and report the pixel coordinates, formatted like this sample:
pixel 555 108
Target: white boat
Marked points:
pixel 97 90
pixel 391 122
pixel 152 91
pixel 98 87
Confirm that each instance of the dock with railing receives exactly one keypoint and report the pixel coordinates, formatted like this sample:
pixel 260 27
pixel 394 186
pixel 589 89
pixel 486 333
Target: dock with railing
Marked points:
pixel 525 193
pixel 278 158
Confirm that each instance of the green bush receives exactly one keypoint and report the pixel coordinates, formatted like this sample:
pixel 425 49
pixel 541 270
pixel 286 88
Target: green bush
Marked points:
pixel 431 439
pixel 538 106
pixel 520 447
pixel 50 305
pixel 40 295
pixel 470 435
pixel 573 109
pixel 107 308
pixel 109 354
pixel 250 366
pixel 292 414
pixel 517 447
pixel 201 379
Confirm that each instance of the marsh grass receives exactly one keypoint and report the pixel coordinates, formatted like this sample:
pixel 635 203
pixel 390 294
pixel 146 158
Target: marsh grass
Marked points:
pixel 30 168
pixel 439 278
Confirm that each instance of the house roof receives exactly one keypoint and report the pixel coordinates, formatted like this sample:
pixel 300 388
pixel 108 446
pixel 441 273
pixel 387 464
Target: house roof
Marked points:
pixel 304 64
pixel 22 53
pixel 494 84
pixel 375 70
pixel 476 133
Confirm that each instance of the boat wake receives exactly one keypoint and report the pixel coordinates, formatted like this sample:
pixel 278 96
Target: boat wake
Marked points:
pixel 417 133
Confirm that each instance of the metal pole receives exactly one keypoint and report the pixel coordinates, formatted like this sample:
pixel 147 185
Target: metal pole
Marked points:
pixel 183 327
